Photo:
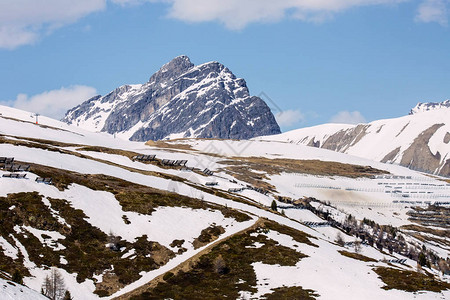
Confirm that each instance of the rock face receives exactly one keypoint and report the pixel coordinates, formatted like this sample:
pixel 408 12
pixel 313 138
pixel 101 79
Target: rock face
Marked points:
pixel 179 101
pixel 419 141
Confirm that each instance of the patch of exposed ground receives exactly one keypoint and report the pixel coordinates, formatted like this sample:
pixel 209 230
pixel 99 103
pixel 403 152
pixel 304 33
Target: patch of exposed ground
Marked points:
pixel 126 153
pixel 110 283
pixel 409 281
pixel 404 127
pixel 447 138
pixel 419 156
pixel 208 235
pixel 293 292
pixel 169 145
pixel 357 256
pixel 245 172
pixel 344 139
pixel 314 143
pixel 46 142
pixel 391 156
pixel 254 169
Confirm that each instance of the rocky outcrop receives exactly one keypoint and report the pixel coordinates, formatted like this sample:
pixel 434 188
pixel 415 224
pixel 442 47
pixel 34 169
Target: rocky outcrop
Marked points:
pixel 419 156
pixel 179 101
pixel 344 139
pixel 421 107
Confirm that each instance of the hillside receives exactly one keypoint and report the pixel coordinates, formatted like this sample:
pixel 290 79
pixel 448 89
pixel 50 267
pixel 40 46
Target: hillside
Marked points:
pixel 197 220
pixel 180 100
pixel 419 141
pixel 13 291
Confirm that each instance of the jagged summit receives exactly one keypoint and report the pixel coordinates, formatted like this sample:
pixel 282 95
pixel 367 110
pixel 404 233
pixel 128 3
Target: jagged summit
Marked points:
pixel 172 69
pixel 180 100
pixel 427 106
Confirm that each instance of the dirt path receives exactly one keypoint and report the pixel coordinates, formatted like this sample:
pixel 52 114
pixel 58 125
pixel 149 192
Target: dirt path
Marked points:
pixel 186 265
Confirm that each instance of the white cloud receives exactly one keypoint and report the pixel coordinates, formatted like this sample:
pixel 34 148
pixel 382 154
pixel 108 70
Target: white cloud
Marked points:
pixel 131 2
pixel 433 11
pixel 54 103
pixel 22 22
pixel 236 14
pixel 289 118
pixel 347 117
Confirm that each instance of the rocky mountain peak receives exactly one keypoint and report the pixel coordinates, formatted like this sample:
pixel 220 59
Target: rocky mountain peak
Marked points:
pixel 180 100
pixel 427 106
pixel 172 69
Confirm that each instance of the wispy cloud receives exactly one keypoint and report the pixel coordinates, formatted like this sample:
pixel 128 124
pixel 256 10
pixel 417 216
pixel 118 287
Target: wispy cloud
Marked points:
pixel 23 22
pixel 289 118
pixel 347 117
pixel 236 14
pixel 433 11
pixel 53 103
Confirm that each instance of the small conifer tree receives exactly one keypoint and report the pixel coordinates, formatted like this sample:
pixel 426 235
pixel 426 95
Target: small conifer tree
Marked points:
pixel 274 206
pixel 17 277
pixel 67 296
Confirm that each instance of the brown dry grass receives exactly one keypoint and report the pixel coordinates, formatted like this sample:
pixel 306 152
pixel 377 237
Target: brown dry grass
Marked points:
pixel 357 256
pixel 409 281
pixel 254 169
pixel 125 153
pixel 169 145
pixel 436 232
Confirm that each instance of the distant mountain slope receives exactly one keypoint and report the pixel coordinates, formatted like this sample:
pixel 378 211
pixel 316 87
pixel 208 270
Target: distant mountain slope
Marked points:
pixel 421 107
pixel 180 100
pixel 419 141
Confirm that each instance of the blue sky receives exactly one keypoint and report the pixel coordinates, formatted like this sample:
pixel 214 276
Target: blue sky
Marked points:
pixel 318 61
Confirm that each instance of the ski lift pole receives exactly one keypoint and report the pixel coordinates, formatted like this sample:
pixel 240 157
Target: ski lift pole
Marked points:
pixel 37 120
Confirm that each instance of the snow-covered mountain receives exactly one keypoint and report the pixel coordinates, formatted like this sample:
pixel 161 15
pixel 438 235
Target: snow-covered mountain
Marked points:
pixel 180 100
pixel 420 141
pixel 421 107
pixel 198 220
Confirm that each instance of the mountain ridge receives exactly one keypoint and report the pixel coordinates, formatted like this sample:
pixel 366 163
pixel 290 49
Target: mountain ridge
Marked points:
pixel 419 141
pixel 179 100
